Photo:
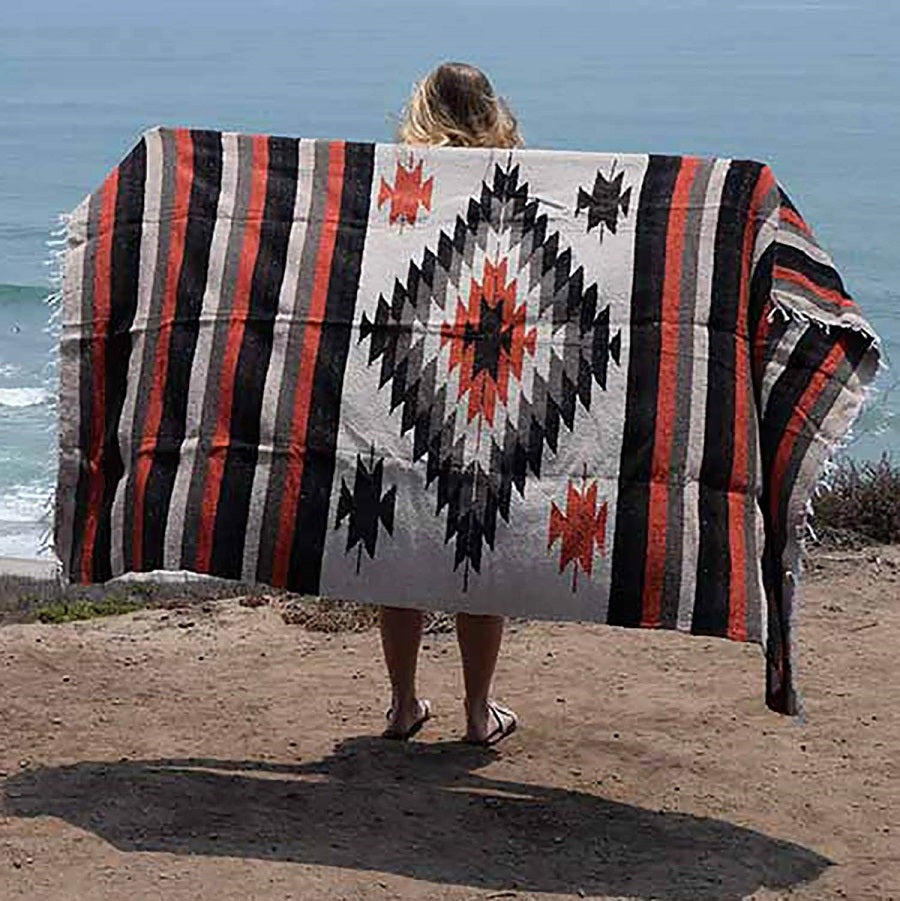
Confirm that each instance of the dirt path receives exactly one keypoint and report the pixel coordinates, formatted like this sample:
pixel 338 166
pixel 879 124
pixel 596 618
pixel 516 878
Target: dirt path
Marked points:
pixel 222 754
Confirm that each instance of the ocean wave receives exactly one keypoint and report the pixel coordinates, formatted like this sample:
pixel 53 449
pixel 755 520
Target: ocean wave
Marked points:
pixel 7 370
pixel 23 397
pixel 25 503
pixel 24 544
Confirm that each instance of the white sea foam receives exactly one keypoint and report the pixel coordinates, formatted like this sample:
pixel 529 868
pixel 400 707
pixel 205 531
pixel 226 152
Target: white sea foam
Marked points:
pixel 23 545
pixel 23 397
pixel 8 371
pixel 23 503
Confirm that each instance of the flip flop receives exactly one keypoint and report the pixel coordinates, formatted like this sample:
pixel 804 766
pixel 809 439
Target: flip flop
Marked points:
pixel 414 729
pixel 507 722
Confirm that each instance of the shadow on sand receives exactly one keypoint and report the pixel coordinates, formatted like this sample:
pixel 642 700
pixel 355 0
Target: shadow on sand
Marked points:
pixel 417 810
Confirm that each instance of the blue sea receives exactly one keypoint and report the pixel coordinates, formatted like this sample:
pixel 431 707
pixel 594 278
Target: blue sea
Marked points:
pixel 811 86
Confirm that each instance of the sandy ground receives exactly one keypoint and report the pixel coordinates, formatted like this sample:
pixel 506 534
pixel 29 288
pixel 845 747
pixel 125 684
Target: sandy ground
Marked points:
pixel 215 752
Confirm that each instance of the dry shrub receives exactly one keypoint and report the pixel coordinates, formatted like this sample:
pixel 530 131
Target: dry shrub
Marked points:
pixel 861 505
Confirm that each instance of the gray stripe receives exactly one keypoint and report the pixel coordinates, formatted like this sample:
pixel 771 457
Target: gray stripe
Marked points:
pixel 77 289
pixel 127 434
pixel 281 446
pixel 151 329
pixel 290 312
pixel 765 238
pixel 690 262
pixel 800 239
pixel 697 413
pixel 221 327
pixel 200 369
pixel 754 538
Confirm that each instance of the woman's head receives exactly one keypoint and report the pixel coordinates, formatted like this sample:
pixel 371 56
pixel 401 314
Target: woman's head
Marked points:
pixel 455 105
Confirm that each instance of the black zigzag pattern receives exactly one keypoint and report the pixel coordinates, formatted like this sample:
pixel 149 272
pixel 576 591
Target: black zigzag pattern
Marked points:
pixel 582 347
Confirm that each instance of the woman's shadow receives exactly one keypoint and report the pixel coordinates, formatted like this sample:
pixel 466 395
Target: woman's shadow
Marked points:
pixel 415 810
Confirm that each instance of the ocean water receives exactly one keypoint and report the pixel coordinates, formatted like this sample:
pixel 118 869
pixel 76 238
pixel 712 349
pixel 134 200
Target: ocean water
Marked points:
pixel 811 86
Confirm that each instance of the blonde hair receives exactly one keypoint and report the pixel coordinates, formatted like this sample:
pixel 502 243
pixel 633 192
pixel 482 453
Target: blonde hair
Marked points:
pixel 456 106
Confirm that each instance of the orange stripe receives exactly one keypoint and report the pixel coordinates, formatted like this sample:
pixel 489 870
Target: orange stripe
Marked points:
pixel 814 389
pixel 788 215
pixel 739 496
pixel 99 329
pixel 791 275
pixel 221 439
pixel 311 336
pixel 184 174
pixel 657 513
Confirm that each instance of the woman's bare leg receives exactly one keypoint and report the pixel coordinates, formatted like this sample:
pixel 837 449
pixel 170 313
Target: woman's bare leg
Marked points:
pixel 479 639
pixel 401 635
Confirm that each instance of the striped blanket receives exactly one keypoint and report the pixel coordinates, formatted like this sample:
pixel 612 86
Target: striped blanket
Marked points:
pixel 573 386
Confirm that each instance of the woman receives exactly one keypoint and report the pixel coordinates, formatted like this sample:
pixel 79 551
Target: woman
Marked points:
pixel 455 105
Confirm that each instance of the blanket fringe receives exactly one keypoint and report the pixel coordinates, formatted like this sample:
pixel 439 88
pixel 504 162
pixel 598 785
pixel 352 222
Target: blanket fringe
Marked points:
pixel 57 245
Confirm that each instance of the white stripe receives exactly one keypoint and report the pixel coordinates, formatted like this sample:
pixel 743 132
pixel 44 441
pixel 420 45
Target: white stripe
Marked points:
pixel 69 379
pixel 285 320
pixel 147 272
pixel 706 258
pixel 200 369
pixel 810 248
pixel 777 363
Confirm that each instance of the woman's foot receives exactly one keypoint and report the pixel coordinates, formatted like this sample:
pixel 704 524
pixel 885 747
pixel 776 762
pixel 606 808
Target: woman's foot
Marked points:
pixel 405 720
pixel 489 723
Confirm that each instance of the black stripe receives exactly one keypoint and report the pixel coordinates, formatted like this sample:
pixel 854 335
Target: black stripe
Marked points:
pixel 714 557
pixel 630 543
pixel 85 387
pixel 253 360
pixel 324 414
pixel 806 358
pixel 786 201
pixel 123 294
pixel 761 289
pixel 202 209
pixel 791 257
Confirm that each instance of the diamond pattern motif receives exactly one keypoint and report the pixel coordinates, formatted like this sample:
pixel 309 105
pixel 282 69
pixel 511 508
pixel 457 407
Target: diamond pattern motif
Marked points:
pixel 524 343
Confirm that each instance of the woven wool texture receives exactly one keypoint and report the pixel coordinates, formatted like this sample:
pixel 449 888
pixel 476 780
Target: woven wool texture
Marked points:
pixel 577 386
